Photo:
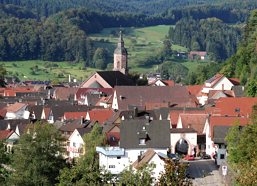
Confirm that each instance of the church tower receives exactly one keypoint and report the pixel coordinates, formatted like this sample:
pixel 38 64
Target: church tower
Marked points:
pixel 120 57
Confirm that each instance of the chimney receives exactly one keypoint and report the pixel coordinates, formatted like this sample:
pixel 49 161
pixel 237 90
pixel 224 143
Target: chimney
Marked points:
pixel 147 117
pixel 139 158
pixel 135 112
pixel 82 120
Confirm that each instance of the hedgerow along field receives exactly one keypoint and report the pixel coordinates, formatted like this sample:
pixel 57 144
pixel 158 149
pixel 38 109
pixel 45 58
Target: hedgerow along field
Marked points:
pixel 140 43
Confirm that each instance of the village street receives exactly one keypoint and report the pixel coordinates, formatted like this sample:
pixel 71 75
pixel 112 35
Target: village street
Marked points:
pixel 205 172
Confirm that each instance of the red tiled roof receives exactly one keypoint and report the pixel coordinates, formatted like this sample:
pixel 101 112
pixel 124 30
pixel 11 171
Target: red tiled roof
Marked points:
pixel 200 53
pixel 169 82
pixel 213 80
pixel 174 114
pixel 4 134
pixel 12 91
pixel 64 93
pixel 100 115
pixel 145 158
pixel 47 112
pixel 228 93
pixel 3 113
pixel 234 81
pixel 227 121
pixel 15 107
pixel 234 106
pixel 195 121
pixel 195 89
pixel 74 115
pixel 113 138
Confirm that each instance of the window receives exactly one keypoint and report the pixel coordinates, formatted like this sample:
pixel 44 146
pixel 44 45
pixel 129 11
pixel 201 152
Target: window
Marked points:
pixel 142 141
pixel 74 144
pixel 118 157
pixel 111 166
pixel 222 156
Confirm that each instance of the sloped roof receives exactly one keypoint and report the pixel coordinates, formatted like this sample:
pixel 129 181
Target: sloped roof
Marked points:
pixel 234 106
pixel 116 78
pixel 74 115
pixel 65 93
pixel 195 89
pixel 174 113
pixel 4 134
pixel 195 121
pixel 182 130
pixel 157 132
pixel 140 95
pixel 70 127
pixel 234 81
pixel 15 107
pixel 213 80
pixel 238 90
pixel 36 109
pixel 226 121
pixel 83 131
pixel 100 115
pixel 144 159
pixel 219 134
pixel 200 53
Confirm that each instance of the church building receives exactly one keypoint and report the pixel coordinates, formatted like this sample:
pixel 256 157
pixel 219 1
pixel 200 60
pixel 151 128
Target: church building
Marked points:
pixel 121 57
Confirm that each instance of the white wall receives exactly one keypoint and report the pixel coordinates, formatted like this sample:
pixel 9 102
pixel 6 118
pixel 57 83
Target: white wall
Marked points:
pixel 191 139
pixel 76 143
pixel 115 101
pixel 16 115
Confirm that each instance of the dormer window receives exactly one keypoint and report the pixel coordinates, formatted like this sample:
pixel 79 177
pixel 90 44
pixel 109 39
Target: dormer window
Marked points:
pixel 237 109
pixel 141 141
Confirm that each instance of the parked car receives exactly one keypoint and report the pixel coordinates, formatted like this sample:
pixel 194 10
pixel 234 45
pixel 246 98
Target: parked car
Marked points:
pixel 173 156
pixel 189 157
pixel 206 156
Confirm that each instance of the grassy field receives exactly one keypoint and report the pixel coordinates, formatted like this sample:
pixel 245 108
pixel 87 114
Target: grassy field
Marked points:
pixel 141 43
pixel 43 70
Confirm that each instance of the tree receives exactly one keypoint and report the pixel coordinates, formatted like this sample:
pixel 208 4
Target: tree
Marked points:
pixel 140 177
pixel 3 72
pixel 100 58
pixel 38 156
pixel 86 171
pixel 242 151
pixel 174 174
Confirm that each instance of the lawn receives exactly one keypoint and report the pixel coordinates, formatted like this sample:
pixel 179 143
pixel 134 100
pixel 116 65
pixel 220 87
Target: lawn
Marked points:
pixel 141 43
pixel 44 70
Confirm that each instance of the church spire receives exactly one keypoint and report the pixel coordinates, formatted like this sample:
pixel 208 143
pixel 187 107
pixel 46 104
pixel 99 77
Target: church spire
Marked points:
pixel 120 56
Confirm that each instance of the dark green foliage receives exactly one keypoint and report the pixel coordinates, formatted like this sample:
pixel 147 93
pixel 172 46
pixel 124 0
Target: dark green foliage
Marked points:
pixel 244 63
pixel 86 171
pixel 174 174
pixel 174 71
pixel 211 35
pixel 37 157
pixel 100 58
pixel 242 151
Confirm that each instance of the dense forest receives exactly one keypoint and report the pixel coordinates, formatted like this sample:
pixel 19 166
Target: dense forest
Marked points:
pixel 244 63
pixel 212 35
pixel 50 30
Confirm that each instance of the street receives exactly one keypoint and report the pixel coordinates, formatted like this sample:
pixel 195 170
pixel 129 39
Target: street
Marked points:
pixel 204 172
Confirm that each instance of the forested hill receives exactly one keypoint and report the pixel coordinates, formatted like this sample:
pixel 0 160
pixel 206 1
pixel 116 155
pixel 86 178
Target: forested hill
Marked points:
pixel 148 7
pixel 244 63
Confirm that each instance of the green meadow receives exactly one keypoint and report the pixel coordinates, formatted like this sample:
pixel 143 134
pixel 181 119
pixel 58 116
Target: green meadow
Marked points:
pixel 141 44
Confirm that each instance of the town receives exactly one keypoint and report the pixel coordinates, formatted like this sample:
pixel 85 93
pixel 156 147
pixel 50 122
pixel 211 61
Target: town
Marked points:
pixel 141 125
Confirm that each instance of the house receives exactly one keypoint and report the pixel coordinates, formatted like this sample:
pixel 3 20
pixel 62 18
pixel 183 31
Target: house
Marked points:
pixel 64 93
pixel 9 137
pixel 75 145
pixel 198 55
pixel 93 96
pixel 142 96
pixel 151 157
pixel 160 82
pixel 17 111
pixel 234 107
pixel 216 130
pixel 217 82
pixel 196 122
pixel 107 79
pixel 137 136
pixel 99 115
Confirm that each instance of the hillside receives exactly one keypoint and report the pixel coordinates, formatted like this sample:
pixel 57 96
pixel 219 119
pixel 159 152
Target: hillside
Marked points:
pixel 244 63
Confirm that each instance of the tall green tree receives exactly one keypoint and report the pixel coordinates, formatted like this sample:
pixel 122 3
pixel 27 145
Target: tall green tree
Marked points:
pixel 86 170
pixel 37 158
pixel 174 174
pixel 242 151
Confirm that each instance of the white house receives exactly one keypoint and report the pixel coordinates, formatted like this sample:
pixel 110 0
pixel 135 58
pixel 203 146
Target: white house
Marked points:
pixel 16 111
pixel 217 82
pixel 75 145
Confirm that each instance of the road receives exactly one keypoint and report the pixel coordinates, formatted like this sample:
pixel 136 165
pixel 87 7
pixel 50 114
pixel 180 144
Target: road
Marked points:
pixel 204 172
